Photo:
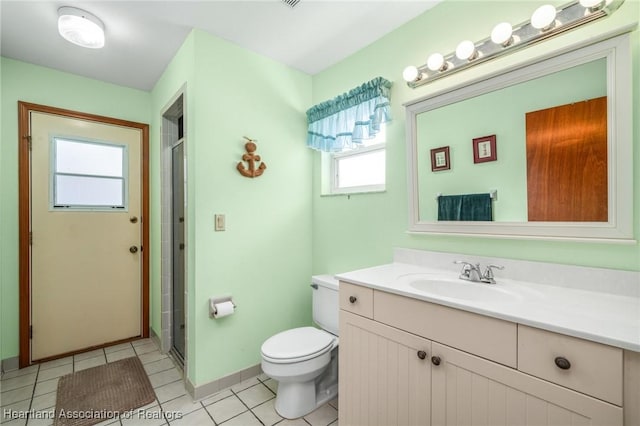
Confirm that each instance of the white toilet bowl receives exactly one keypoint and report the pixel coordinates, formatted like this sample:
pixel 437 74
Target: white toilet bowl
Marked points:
pixel 304 360
pixel 296 358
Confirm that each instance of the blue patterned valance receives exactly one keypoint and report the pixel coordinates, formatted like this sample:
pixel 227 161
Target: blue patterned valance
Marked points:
pixel 349 119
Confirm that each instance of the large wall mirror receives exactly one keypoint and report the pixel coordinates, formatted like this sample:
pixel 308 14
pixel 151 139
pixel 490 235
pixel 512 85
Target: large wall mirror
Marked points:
pixel 547 145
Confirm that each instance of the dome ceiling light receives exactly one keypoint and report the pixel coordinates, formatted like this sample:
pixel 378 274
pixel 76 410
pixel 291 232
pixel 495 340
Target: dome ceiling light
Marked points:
pixel 80 27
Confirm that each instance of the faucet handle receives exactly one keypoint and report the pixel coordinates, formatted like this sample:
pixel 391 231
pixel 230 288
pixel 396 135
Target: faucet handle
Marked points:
pixel 466 266
pixel 488 276
pixel 467 270
pixel 462 262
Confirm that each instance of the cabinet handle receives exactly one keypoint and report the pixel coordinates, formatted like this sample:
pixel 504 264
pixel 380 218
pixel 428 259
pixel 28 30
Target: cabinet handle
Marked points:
pixel 352 299
pixel 422 354
pixel 435 360
pixel 563 363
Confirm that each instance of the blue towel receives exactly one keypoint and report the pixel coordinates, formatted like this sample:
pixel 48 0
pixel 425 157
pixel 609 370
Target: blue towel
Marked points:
pixel 465 207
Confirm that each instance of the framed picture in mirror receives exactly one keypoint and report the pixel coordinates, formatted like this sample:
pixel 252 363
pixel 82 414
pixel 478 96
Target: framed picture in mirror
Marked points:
pixel 484 149
pixel 440 159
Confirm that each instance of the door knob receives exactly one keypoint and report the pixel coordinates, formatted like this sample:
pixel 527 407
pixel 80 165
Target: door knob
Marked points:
pixel 133 219
pixel 422 354
pixel 435 360
pixel 133 249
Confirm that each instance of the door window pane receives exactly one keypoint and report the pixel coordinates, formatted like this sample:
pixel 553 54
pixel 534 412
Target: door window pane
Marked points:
pixel 88 174
pixel 88 191
pixel 82 158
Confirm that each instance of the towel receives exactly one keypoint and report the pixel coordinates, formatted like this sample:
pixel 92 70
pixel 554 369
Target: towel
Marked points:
pixel 476 207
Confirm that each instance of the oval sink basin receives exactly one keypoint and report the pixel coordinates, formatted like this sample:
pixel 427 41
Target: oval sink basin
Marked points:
pixel 465 290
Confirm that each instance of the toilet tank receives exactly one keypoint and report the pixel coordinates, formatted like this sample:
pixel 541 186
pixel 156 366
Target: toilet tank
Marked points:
pixel 325 302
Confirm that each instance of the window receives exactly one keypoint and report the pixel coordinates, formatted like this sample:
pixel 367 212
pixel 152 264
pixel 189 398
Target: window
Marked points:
pixel 361 169
pixel 349 131
pixel 88 175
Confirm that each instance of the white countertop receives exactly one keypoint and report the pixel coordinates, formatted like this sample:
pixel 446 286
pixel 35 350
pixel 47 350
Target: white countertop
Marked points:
pixel 601 317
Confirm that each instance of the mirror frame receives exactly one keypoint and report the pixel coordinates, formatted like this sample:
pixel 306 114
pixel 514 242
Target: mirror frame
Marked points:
pixel 619 227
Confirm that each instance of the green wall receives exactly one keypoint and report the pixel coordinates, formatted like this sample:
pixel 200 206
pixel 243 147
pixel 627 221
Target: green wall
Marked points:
pixel 263 258
pixel 31 83
pixel 361 230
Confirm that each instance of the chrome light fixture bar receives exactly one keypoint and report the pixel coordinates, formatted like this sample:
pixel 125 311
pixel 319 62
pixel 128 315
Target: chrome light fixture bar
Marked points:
pixel 545 22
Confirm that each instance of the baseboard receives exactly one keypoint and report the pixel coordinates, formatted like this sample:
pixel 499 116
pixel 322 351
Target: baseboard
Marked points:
pixel 153 336
pixel 9 364
pixel 208 389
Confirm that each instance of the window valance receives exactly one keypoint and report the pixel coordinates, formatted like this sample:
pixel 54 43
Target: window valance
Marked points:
pixel 347 120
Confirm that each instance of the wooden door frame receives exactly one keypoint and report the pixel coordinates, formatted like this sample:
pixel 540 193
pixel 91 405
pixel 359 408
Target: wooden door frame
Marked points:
pixel 24 209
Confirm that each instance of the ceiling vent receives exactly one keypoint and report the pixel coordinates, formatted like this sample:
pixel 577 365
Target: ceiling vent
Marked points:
pixel 291 3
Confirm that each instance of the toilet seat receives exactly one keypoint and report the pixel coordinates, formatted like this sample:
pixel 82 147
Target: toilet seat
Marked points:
pixel 296 345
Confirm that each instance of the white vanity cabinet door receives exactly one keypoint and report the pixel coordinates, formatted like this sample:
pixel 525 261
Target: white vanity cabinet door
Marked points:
pixel 385 375
pixel 470 390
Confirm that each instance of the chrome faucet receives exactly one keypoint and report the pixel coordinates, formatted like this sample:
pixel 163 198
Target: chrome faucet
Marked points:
pixel 471 272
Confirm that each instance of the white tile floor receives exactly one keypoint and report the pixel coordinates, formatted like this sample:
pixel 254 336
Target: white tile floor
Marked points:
pixel 249 403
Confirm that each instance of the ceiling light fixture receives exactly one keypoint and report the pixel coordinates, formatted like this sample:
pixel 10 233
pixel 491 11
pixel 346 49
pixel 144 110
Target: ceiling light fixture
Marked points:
pixel 546 22
pixel 80 27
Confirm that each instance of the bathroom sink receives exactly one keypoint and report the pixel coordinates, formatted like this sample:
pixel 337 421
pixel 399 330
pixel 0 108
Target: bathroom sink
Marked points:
pixel 465 290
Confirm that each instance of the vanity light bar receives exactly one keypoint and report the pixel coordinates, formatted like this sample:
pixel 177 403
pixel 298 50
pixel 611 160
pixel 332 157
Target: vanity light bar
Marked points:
pixel 506 39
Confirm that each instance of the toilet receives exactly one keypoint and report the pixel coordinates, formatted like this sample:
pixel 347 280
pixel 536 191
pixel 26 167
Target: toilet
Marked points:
pixel 304 361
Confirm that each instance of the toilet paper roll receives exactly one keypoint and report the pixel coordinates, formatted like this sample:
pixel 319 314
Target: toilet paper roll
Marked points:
pixel 222 309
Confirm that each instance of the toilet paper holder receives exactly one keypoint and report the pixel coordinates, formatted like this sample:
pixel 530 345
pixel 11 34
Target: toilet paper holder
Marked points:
pixel 218 300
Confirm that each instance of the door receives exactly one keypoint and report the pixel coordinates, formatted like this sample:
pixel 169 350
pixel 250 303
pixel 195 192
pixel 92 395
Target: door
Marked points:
pixel 87 272
pixel 567 162
pixel 178 249
pixel 385 374
pixel 468 390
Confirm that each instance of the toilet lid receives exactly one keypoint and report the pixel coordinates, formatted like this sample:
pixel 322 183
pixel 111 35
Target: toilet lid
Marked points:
pixel 297 343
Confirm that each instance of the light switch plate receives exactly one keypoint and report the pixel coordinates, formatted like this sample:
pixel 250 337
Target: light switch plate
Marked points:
pixel 219 222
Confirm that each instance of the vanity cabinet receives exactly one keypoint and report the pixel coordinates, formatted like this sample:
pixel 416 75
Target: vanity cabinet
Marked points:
pixel 385 374
pixel 411 362
pixel 467 390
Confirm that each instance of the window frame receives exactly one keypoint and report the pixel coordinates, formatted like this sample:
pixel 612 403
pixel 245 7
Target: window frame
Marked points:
pixel 79 207
pixel 335 158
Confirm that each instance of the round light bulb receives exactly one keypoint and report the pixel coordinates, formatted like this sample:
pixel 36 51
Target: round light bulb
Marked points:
pixel 466 50
pixel 501 33
pixel 543 17
pixel 591 4
pixel 410 74
pixel 435 62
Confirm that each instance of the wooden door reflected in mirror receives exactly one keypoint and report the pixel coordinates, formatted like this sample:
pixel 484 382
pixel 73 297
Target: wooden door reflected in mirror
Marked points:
pixel 567 162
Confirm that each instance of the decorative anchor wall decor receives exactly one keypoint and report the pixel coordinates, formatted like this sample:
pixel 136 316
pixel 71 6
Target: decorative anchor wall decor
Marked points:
pixel 251 159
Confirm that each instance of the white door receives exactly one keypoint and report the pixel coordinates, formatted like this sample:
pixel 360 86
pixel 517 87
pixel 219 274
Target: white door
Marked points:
pixel 86 266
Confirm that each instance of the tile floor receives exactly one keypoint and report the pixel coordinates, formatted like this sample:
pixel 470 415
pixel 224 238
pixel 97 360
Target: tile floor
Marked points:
pixel 249 403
